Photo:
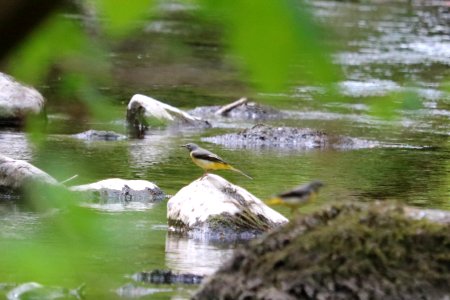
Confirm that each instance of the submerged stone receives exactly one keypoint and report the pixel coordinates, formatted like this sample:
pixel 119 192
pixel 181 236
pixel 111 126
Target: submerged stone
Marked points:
pixel 347 251
pixel 262 135
pixel 99 135
pixel 212 208
pixel 18 101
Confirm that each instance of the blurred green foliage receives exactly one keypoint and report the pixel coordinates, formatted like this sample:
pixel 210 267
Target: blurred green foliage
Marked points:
pixel 57 39
pixel 118 17
pixel 274 44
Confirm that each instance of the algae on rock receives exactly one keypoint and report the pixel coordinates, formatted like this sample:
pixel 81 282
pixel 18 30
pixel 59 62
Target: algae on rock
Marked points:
pixel 351 251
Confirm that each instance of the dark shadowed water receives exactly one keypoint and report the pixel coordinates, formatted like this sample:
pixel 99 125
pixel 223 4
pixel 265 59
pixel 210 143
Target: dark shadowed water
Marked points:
pixel 381 48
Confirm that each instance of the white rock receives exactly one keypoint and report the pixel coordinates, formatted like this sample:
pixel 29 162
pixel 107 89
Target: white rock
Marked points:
pixel 121 189
pixel 17 100
pixel 434 215
pixel 154 109
pixel 17 173
pixel 115 184
pixel 193 206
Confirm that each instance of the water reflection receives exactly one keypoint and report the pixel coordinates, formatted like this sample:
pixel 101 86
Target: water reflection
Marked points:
pixel 152 149
pixel 15 145
pixel 16 224
pixel 186 255
pixel 120 207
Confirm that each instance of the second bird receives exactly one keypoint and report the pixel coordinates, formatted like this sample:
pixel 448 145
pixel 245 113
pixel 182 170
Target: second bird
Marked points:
pixel 209 161
pixel 297 196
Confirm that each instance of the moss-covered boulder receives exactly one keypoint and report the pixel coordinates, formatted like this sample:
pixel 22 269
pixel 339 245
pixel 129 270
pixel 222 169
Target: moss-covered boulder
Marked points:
pixel 211 208
pixel 377 251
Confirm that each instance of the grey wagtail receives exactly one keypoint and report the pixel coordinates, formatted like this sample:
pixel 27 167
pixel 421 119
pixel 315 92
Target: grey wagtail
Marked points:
pixel 209 161
pixel 297 196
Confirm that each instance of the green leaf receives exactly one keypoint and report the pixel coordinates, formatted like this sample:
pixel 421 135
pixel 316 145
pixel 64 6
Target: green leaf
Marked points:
pixel 80 87
pixel 278 42
pixel 56 38
pixel 121 17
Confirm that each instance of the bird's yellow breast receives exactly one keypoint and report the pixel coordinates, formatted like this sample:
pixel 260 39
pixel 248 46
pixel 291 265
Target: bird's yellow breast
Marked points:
pixel 209 165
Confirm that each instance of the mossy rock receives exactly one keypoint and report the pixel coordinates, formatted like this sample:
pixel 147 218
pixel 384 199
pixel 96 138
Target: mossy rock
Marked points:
pixel 351 251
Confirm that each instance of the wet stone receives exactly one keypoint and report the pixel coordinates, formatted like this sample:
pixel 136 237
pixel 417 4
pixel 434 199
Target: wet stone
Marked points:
pixel 262 135
pixel 246 111
pixel 116 190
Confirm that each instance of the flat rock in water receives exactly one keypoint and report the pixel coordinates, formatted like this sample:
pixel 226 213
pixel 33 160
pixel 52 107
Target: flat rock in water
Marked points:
pixel 167 277
pixel 16 174
pixel 242 111
pixel 116 190
pixel 18 101
pixel 144 111
pixel 346 251
pixel 212 208
pixel 99 135
pixel 262 135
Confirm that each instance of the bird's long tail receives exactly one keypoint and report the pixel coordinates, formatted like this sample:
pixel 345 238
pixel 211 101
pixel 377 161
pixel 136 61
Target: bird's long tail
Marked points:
pixel 274 201
pixel 239 171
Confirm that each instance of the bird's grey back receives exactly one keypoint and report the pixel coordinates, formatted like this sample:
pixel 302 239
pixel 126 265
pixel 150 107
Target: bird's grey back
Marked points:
pixel 205 154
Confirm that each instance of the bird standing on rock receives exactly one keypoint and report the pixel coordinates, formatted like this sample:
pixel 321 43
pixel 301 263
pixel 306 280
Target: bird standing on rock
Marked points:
pixel 297 196
pixel 209 161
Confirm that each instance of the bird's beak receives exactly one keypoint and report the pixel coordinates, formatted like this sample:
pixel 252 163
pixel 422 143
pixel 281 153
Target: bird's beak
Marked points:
pixel 183 146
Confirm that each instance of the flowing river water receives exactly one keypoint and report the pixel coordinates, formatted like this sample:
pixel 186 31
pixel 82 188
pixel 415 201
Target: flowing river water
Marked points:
pixel 381 47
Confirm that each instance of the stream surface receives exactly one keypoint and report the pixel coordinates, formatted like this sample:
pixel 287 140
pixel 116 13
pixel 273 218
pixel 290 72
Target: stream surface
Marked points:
pixel 381 48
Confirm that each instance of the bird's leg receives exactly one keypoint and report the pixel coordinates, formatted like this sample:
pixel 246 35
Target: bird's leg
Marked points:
pixel 295 211
pixel 204 174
